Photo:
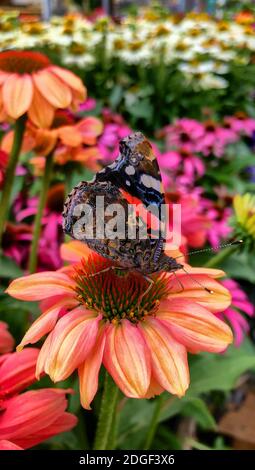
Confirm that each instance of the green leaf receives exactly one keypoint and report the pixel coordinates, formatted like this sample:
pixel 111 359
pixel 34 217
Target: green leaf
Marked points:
pixel 240 266
pixel 116 96
pixel 8 268
pixel 197 409
pixel 219 372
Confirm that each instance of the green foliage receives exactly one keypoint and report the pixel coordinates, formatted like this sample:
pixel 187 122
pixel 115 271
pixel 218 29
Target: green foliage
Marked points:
pixel 209 372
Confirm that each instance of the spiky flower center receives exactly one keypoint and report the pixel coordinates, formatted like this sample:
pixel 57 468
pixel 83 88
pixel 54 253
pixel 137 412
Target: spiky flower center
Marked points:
pixel 22 62
pixel 117 293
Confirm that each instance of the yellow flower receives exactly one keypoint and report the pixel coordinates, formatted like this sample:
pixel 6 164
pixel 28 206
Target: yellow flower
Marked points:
pixel 244 207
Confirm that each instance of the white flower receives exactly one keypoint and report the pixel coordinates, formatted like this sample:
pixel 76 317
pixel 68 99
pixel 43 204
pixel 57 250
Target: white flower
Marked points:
pixel 210 81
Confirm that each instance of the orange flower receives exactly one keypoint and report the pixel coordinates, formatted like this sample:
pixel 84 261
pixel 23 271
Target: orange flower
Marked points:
pixel 92 320
pixel 30 83
pixel 66 136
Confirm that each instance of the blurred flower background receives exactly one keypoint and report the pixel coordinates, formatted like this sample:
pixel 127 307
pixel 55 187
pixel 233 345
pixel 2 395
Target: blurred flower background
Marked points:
pixel 73 82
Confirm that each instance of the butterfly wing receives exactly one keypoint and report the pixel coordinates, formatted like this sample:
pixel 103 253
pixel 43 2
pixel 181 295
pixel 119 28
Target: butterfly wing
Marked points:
pixel 130 252
pixel 133 178
pixel 136 171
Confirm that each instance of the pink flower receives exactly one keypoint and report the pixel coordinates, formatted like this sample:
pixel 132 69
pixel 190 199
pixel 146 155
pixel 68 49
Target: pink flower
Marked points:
pixel 87 105
pixel 181 164
pixel 3 164
pixel 115 129
pixel 193 137
pixel 183 133
pixel 18 236
pixel 17 371
pixel 215 139
pixel 34 416
pixel 219 228
pixel 194 222
pixel 240 124
pixel 6 339
pixel 240 303
pixel 201 219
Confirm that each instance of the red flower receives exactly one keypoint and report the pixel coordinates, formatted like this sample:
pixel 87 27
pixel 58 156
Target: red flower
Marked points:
pixel 6 339
pixel 34 416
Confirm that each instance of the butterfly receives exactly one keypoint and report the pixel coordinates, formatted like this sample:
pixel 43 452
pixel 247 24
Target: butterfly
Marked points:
pixel 133 176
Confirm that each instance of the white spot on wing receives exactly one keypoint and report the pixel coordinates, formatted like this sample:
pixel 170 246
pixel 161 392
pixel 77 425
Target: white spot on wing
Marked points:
pixel 150 182
pixel 130 170
pixel 128 183
pixel 113 165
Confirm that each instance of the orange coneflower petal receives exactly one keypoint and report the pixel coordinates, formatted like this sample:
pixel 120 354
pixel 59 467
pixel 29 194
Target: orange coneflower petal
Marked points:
pixel 203 289
pixel 214 273
pixel 17 94
pixel 71 341
pixel 40 286
pixel 194 327
pixel 127 359
pixel 71 80
pixel 43 356
pixel 53 89
pixel 74 251
pixel 3 77
pixel 28 142
pixel 89 370
pixel 3 115
pixel 46 322
pixel 41 112
pixel 89 156
pixel 90 128
pixel 154 388
pixel 45 141
pixel 169 357
pixel 69 135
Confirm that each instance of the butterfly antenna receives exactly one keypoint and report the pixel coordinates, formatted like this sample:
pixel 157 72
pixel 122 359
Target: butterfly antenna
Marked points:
pixel 197 282
pixel 206 250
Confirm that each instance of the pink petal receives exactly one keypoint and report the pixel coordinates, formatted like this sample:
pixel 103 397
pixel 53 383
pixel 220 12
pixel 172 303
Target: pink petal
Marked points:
pixel 46 322
pixel 194 326
pixel 127 359
pixel 18 371
pixel 74 251
pixel 169 357
pixel 89 370
pixel 40 286
pixel 69 343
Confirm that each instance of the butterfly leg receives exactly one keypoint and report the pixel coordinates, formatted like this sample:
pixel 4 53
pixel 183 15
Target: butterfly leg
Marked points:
pixel 140 298
pixel 179 282
pixel 110 268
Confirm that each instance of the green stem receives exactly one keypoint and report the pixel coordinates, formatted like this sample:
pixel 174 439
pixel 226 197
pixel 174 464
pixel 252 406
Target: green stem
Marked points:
pixel 218 259
pixel 32 265
pixel 154 423
pixel 19 129
pixel 106 415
